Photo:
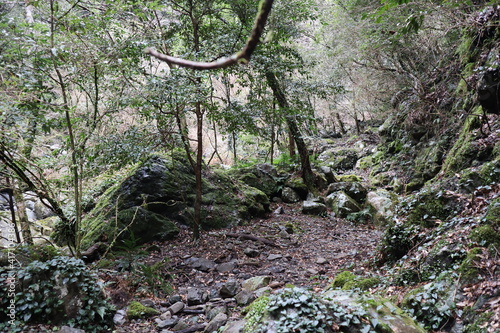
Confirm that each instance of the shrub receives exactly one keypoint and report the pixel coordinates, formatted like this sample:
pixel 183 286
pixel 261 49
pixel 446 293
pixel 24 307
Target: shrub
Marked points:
pixel 59 291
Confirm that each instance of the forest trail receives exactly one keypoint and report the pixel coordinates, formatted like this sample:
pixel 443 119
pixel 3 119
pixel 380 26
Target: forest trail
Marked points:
pixel 310 256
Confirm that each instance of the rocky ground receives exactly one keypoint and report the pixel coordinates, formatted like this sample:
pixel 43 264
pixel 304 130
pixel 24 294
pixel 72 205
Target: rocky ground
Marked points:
pixel 290 248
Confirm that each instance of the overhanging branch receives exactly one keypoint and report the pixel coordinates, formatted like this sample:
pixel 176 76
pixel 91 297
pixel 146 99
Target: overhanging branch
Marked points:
pixel 241 57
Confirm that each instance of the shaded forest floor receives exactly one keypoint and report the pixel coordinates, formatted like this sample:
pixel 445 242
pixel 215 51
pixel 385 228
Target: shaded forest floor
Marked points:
pixel 306 251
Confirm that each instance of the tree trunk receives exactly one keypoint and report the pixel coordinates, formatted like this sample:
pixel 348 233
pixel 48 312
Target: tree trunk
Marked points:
pixel 307 173
pixel 198 172
pixel 23 218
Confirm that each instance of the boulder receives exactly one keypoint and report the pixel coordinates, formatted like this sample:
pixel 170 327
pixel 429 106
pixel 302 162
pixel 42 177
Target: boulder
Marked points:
pixel 353 189
pixel 382 202
pixel 288 195
pixel 255 283
pixel 261 176
pixel 313 208
pixel 216 323
pixel 344 159
pixel 342 204
pixel 159 192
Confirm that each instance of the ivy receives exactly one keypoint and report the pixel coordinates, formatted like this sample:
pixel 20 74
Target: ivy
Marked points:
pixel 43 287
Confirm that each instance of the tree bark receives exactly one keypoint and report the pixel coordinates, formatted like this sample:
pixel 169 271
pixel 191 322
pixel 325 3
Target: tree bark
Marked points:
pixel 22 217
pixel 307 173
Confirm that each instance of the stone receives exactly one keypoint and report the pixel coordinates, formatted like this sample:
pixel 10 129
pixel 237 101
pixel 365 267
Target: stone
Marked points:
pixel 147 302
pixel 216 323
pixel 278 211
pixel 328 173
pixel 313 208
pixel 244 297
pixel 212 313
pixel 168 323
pixel 120 317
pixel 272 257
pixel 256 282
pixel 226 266
pixel 176 307
pixel 235 327
pixel 312 271
pixel 161 190
pixel 67 329
pixel 289 195
pixel 166 315
pixel 342 204
pixel 196 296
pixel 321 261
pixel 383 203
pixel 175 298
pixel 353 189
pixel 251 252
pixel 229 289
pixel 201 264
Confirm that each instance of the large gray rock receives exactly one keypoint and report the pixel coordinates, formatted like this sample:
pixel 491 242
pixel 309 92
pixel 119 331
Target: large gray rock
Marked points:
pixel 288 195
pixel 255 283
pixel 383 204
pixel 261 176
pixel 163 189
pixel 342 204
pixel 313 208
pixel 353 189
pixel 344 159
pixel 216 323
pixel 201 264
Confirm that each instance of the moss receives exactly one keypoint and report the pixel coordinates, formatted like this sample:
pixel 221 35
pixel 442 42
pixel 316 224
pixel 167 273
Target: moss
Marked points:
pixel 349 178
pixel 493 213
pixel 342 278
pixel 255 313
pixel 365 162
pixel 485 235
pixel 362 284
pixel 463 152
pixel 477 326
pixel 467 270
pixel 426 208
pixel 136 311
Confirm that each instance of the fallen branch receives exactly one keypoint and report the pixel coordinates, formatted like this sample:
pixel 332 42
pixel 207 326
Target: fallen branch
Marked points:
pixel 254 238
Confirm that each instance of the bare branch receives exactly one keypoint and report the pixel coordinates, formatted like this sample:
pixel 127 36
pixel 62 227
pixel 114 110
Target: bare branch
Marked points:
pixel 241 57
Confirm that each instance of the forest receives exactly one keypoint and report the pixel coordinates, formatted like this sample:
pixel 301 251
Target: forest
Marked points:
pixel 250 166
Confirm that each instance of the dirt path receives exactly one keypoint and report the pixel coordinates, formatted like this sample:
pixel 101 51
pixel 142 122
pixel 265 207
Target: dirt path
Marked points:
pixel 317 249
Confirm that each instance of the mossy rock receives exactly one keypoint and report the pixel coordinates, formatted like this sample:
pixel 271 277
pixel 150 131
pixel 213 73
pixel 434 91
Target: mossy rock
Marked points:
pixel 362 284
pixel 344 159
pixel 162 190
pixel 468 271
pixel 493 213
pixel 297 184
pixel 485 235
pixel 466 151
pixel 261 176
pixel 349 178
pixel 342 279
pixel 426 207
pixel 137 311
